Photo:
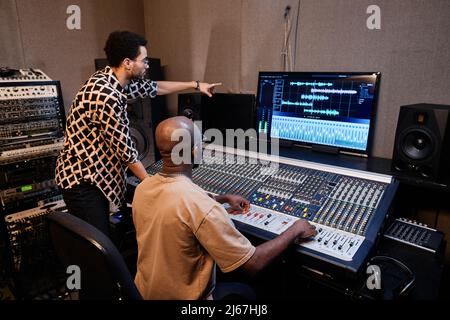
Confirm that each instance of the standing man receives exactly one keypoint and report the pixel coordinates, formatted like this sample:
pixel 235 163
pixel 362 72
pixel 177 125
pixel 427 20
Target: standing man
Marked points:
pixel 91 167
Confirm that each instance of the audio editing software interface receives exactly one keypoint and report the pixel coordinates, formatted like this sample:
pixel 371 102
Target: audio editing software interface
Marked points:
pixel 329 109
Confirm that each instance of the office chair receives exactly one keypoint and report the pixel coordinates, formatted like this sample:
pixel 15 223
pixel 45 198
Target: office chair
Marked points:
pixel 104 274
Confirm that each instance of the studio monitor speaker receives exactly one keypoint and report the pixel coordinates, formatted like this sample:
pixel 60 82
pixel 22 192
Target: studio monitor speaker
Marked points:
pixel 222 111
pixel 141 130
pixel 229 111
pixel 422 142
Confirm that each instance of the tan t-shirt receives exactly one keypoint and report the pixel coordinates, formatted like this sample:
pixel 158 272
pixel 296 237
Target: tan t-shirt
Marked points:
pixel 181 233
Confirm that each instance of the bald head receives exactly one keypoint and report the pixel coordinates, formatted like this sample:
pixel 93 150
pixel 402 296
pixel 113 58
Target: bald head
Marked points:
pixel 168 130
pixel 176 134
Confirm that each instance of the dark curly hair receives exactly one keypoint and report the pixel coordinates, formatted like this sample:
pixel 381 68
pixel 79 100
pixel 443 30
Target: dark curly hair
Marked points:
pixel 121 45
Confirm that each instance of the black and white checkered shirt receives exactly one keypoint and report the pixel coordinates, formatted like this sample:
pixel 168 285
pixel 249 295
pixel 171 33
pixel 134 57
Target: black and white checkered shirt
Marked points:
pixel 97 142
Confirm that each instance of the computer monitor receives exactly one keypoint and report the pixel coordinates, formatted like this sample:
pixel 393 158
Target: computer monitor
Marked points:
pixel 331 110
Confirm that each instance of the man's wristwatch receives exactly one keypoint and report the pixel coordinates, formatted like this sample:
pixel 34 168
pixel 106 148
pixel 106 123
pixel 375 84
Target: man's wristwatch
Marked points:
pixel 197 85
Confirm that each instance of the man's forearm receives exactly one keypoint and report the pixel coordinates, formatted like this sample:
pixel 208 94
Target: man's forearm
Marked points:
pixel 265 253
pixel 167 87
pixel 220 199
pixel 138 170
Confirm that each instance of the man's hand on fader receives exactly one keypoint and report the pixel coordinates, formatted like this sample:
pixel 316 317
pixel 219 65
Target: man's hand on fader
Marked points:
pixel 238 204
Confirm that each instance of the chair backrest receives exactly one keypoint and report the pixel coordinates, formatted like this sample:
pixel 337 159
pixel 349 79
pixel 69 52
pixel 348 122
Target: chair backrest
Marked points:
pixel 104 274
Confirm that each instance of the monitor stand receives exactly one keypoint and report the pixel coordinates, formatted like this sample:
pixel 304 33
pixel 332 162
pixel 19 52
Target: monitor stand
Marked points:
pixel 326 149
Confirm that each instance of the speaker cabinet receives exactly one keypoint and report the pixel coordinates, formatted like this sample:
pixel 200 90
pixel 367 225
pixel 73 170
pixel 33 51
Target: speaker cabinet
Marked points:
pixel 222 111
pixel 422 142
pixel 229 111
pixel 141 130
pixel 145 115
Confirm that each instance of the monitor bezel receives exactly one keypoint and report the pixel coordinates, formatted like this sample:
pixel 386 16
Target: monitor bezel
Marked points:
pixel 365 153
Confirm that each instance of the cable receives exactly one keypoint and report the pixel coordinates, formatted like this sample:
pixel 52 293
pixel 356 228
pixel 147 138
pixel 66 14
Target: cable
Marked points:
pixel 286 50
pixel 400 264
pixel 296 30
pixel 436 218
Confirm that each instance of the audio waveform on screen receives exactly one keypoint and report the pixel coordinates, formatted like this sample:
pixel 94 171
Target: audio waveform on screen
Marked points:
pixel 311 84
pixel 323 132
pixel 314 97
pixel 303 104
pixel 327 112
pixel 334 91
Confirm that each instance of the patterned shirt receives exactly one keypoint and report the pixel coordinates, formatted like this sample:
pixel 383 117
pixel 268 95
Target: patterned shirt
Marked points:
pixel 97 141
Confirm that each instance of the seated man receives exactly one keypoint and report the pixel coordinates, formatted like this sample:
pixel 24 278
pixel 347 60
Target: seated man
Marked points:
pixel 182 233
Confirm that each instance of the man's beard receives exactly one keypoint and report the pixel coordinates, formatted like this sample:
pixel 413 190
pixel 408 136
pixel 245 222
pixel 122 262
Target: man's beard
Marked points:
pixel 140 76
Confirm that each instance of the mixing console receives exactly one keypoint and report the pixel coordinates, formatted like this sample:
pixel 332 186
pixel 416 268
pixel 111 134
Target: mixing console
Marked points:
pixel 347 206
pixel 415 234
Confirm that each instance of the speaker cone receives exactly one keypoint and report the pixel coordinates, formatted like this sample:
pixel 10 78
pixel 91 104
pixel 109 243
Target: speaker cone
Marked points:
pixel 141 142
pixel 417 144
